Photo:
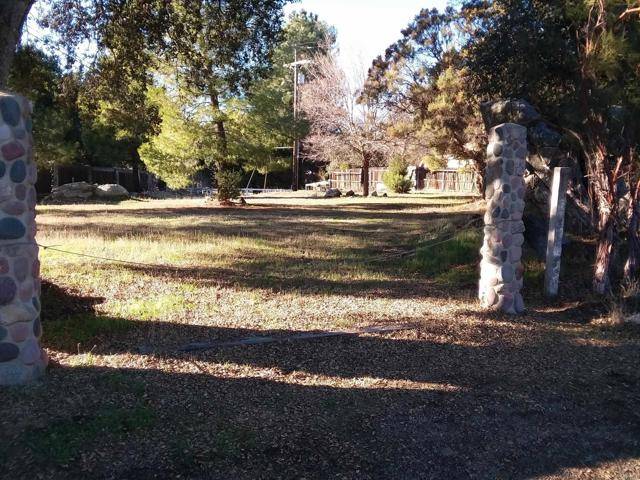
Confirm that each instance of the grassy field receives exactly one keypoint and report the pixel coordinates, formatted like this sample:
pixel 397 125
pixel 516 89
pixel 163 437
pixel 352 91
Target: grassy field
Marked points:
pixel 457 394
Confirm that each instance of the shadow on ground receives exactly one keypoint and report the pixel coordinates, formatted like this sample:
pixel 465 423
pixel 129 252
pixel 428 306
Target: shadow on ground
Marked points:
pixel 357 407
pixel 499 399
pixel 449 399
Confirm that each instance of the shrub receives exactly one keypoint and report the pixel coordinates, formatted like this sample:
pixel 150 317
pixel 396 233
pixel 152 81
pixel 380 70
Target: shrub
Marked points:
pixel 228 184
pixel 395 176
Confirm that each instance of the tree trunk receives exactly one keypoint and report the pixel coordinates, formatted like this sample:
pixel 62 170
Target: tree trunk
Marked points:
pixel 135 168
pixel 604 251
pixel 220 130
pixel 364 175
pixel 13 14
pixel 633 216
pixel 264 186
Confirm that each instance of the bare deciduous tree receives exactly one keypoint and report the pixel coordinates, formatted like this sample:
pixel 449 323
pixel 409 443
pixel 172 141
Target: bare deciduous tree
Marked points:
pixel 342 128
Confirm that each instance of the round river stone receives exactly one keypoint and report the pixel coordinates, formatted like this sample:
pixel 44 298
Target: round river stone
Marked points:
pixel 8 352
pixel 13 208
pixel 12 150
pixel 10 111
pixel 8 290
pixel 11 229
pixel 37 328
pixel 18 171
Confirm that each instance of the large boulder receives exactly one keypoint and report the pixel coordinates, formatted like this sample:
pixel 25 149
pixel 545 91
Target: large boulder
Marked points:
pixel 508 111
pixel 72 191
pixel 111 191
pixel 78 192
pixel 547 149
pixel 332 193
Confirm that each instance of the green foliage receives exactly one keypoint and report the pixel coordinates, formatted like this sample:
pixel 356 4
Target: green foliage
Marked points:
pixel 423 75
pixel 38 77
pixel 116 113
pixel 182 146
pixel 434 161
pixel 395 178
pixel 439 259
pixel 228 184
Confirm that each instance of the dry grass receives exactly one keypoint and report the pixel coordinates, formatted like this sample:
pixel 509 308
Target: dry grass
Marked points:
pixel 461 395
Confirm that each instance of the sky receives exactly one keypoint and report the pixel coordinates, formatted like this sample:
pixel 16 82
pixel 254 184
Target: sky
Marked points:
pixel 365 27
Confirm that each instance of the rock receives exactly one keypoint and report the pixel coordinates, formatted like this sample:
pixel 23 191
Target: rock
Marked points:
pixel 8 290
pixel 332 193
pixel 541 135
pixel 72 191
pixel 111 191
pixel 11 229
pixel 385 195
pixel 350 193
pixel 373 194
pixel 11 151
pixel 18 171
pixel 10 111
pixel 508 111
pixel 8 351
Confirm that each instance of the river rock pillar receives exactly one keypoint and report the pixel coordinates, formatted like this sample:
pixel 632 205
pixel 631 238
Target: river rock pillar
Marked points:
pixel 501 269
pixel 21 357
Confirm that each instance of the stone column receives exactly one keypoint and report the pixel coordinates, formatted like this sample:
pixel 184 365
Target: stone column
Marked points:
pixel 21 358
pixel 501 270
pixel 557 206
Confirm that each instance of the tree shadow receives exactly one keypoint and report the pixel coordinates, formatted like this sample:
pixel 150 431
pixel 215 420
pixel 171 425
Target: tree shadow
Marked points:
pixel 500 402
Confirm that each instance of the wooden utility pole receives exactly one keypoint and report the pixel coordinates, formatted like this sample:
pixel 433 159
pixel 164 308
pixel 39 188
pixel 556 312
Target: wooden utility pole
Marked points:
pixel 557 205
pixel 296 142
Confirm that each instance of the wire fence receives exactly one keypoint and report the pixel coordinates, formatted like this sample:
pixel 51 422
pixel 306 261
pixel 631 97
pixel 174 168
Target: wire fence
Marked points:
pixel 433 243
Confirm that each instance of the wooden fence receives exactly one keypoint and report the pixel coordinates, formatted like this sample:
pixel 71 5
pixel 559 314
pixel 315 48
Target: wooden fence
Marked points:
pixel 438 181
pixel 451 181
pixel 345 180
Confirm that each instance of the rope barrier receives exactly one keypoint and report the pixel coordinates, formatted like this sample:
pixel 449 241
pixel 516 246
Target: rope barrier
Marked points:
pixel 55 248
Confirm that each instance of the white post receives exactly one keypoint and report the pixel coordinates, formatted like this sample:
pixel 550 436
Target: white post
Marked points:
pixel 557 205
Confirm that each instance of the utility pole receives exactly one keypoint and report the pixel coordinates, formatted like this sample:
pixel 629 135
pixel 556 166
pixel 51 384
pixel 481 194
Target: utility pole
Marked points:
pixel 295 161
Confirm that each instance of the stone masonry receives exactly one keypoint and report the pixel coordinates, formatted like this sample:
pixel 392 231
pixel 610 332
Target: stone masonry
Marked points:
pixel 501 269
pixel 21 358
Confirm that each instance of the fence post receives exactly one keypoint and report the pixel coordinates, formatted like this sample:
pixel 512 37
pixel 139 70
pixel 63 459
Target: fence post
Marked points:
pixel 557 205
